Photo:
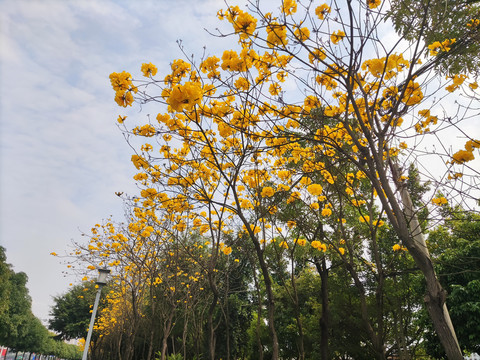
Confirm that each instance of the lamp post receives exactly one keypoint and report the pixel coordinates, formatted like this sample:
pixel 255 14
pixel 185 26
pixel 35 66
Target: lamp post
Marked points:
pixel 101 281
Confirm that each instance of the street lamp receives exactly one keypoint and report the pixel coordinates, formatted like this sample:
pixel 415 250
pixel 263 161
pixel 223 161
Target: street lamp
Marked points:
pixel 101 281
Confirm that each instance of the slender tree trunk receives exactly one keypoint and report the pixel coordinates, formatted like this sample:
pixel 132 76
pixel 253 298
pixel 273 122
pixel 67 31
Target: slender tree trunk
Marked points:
pixel 227 318
pixel 325 318
pixel 379 297
pixel 270 304
pixel 167 328
pixel 398 330
pixel 377 343
pixel 259 313
pixel 211 309
pixel 184 333
pixel 301 347
pixel 268 288
pixel 119 347
pixel 150 345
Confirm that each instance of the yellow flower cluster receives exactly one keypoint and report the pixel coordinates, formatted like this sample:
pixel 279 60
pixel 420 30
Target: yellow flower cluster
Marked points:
pixel 372 4
pixel 337 36
pixel 123 86
pixel 145 130
pixel 315 189
pixel 267 191
pixel 139 162
pixel 276 35
pixel 458 80
pixel 210 66
pixel 149 69
pixel 322 11
pixel 185 97
pixel 398 247
pixel 319 245
pixel 243 23
pixel 439 201
pixel 413 94
pixel 463 156
pixel 227 250
pixel 473 23
pixel 386 68
pixel 438 46
pixel 302 34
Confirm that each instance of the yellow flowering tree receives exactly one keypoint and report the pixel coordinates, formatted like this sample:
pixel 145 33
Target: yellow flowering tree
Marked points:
pixel 227 130
pixel 154 272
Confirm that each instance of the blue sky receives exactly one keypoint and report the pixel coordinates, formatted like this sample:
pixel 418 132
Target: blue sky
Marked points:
pixel 61 156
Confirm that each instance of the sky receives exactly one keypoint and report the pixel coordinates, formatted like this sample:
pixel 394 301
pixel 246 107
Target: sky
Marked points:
pixel 62 158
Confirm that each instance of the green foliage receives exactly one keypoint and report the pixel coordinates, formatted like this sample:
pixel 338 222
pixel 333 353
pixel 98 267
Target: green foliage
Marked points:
pixel 19 328
pixel 70 314
pixel 437 20
pixel 456 245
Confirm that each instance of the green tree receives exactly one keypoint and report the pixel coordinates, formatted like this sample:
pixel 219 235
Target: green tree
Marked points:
pixel 456 247
pixel 437 20
pixel 19 328
pixel 70 314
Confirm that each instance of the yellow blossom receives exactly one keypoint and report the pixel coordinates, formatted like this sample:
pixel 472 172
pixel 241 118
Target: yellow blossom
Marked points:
pixel 314 206
pixel 472 144
pixel 318 245
pixel 149 69
pixel 301 241
pixel 289 7
pixel 372 4
pixel 267 191
pixel 439 201
pixel 274 89
pixel 364 218
pixel 185 97
pixel 277 35
pixel 302 34
pixel 337 36
pixel 322 11
pixel 315 189
pixel 326 212
pixel 284 245
pixel 462 156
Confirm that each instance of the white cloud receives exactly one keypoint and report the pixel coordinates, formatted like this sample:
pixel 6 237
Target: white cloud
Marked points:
pixel 61 156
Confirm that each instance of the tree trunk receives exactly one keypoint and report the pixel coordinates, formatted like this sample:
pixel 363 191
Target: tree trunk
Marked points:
pixel 150 346
pixel 211 309
pixel 259 314
pixel 167 327
pixel 270 303
pixel 268 286
pixel 376 340
pixel 325 319
pixel 435 296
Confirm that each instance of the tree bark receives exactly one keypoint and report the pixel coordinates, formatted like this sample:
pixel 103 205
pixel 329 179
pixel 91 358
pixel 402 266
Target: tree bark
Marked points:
pixel 325 319
pixel 435 294
pixel 211 309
